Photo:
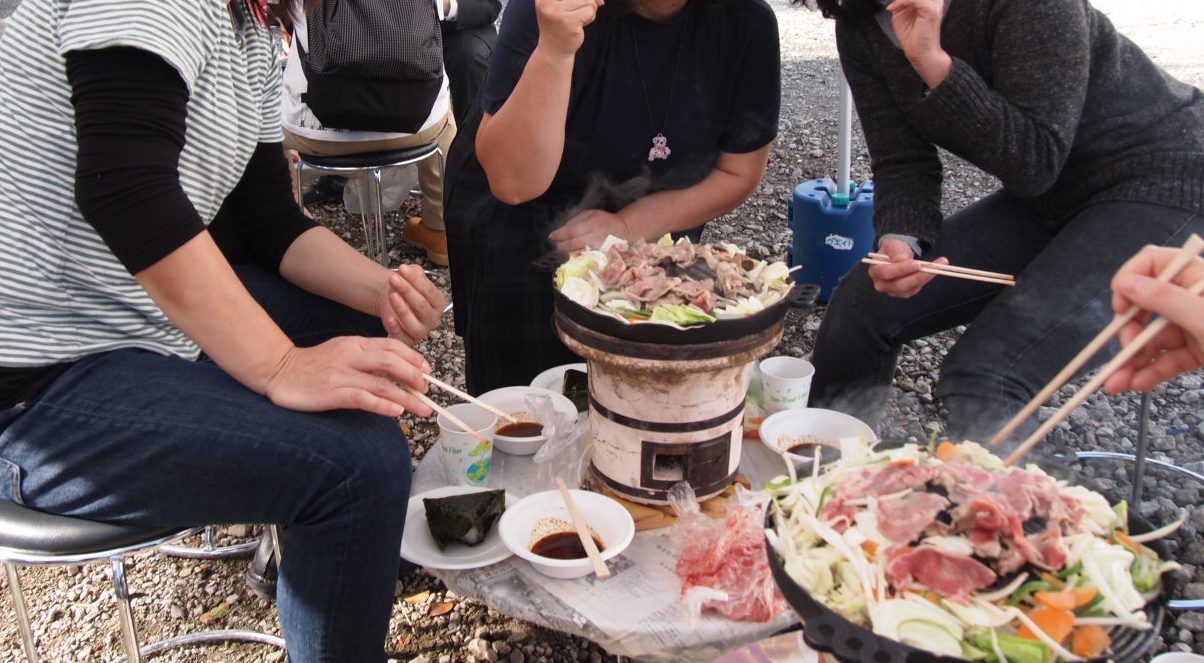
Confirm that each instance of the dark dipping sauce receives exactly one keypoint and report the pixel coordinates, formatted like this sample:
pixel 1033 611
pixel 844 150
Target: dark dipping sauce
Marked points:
pixel 562 545
pixel 521 429
pixel 803 449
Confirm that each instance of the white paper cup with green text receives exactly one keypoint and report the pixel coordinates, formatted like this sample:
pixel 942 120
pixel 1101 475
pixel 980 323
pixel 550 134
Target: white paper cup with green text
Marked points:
pixel 785 383
pixel 466 458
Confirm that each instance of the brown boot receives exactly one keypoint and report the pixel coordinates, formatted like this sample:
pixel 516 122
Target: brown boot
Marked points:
pixel 434 241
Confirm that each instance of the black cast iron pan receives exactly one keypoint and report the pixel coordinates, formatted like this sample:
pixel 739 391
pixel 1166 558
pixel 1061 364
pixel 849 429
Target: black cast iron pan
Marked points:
pixel 825 630
pixel 801 295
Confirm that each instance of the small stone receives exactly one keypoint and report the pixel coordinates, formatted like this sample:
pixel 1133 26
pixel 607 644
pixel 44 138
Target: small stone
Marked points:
pixel 274 656
pixel 1192 621
pixel 237 531
pixel 517 656
pixel 595 657
pixel 517 636
pixel 1194 555
pixel 1193 591
pixel 420 659
pixel 501 648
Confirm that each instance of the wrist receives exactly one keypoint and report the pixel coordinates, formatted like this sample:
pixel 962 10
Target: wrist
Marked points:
pixel 933 69
pixel 548 53
pixel 627 234
pixel 277 370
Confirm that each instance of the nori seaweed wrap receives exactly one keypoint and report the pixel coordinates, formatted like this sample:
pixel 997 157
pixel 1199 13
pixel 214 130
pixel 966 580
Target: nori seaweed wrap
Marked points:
pixel 576 388
pixel 463 518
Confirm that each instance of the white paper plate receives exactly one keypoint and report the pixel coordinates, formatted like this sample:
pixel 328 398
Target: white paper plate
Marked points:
pixel 553 378
pixel 418 546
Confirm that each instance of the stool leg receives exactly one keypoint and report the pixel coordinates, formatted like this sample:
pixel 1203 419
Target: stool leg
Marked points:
pixel 129 634
pixel 14 588
pixel 380 254
pixel 297 183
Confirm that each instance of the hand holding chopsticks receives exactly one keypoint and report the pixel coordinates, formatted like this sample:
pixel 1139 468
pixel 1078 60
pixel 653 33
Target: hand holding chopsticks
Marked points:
pixel 1191 248
pixel 948 270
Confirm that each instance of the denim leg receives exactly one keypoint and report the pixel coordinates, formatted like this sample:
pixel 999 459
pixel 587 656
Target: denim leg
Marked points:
pixel 862 330
pixel 1062 300
pixel 131 436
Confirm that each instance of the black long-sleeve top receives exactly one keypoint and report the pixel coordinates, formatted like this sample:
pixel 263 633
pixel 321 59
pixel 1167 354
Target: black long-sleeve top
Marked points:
pixel 1047 96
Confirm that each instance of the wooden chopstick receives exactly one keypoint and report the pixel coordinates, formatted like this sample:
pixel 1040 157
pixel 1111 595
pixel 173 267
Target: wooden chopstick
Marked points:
pixel 475 401
pixel 953 268
pixel 1190 249
pixel 443 411
pixel 1134 346
pixel 945 272
pixel 583 532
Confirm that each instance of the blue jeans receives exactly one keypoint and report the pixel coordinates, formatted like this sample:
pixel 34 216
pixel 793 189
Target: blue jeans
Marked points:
pixel 1018 337
pixel 134 437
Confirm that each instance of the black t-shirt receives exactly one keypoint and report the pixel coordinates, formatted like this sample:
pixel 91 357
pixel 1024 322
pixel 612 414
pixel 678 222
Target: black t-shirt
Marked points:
pixel 725 94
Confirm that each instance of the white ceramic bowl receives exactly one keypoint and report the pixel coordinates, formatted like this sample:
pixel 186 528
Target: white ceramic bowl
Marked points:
pixel 514 399
pixel 525 522
pixel 811 425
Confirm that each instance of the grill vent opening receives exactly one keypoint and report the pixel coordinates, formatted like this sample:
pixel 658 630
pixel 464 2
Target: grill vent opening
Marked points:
pixel 669 467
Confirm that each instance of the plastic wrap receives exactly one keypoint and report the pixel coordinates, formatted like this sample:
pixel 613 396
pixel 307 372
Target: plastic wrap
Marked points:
pixel 566 453
pixel 395 187
pixel 722 563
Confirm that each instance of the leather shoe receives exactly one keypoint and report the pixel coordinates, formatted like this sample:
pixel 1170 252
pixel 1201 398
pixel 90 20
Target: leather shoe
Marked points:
pixel 262 571
pixel 434 241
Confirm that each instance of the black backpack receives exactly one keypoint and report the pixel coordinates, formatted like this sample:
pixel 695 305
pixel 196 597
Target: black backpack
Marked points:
pixel 373 65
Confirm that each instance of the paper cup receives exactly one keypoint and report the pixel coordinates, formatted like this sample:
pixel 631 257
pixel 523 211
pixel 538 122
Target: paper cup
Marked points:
pixel 785 382
pixel 465 458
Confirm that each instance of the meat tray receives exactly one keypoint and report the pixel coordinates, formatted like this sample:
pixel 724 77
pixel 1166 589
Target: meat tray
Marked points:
pixel 825 630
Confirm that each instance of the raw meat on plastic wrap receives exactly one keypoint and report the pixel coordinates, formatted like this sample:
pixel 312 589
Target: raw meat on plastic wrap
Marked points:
pixel 722 563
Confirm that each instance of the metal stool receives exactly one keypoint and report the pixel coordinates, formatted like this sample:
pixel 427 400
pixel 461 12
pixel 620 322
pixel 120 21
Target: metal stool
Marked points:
pixel 31 537
pixel 370 164
pixel 209 548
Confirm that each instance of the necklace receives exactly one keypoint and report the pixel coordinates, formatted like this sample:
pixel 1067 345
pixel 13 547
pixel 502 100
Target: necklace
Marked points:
pixel 660 144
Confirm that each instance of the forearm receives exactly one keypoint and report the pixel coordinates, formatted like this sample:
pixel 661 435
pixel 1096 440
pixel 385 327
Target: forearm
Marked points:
pixel 198 291
pixel 730 183
pixel 318 261
pixel 520 146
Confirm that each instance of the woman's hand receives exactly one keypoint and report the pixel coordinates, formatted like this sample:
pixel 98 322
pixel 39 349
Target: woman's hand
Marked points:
pixel 1180 346
pixel 917 24
pixel 589 229
pixel 562 23
pixel 410 305
pixel 902 278
pixel 351 372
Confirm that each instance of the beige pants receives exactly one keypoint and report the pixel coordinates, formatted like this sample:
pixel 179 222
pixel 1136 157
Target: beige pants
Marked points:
pixel 430 171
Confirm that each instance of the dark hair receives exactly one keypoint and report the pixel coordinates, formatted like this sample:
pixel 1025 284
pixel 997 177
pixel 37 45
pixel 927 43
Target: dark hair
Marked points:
pixel 850 9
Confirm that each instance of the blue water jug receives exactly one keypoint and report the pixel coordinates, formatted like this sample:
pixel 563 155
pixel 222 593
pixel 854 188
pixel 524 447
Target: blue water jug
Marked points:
pixel 832 232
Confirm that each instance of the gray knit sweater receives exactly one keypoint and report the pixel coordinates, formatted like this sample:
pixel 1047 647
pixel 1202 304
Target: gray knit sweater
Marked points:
pixel 1046 95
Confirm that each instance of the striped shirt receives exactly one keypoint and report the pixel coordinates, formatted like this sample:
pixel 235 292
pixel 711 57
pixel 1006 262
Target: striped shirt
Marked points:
pixel 63 294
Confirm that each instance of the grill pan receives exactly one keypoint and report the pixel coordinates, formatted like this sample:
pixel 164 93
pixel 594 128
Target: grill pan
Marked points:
pixel 825 630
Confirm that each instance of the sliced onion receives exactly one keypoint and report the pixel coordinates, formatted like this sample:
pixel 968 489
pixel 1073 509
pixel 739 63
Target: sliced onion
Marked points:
pixel 1158 533
pixel 1005 591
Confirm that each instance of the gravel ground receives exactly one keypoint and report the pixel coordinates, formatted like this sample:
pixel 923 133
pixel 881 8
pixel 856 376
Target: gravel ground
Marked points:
pixel 73 611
